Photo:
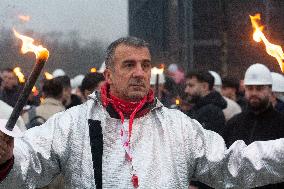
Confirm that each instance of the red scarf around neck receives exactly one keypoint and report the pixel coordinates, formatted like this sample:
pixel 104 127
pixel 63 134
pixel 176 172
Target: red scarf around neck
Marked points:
pixel 124 108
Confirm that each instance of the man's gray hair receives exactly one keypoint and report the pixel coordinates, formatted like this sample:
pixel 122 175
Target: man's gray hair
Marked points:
pixel 128 41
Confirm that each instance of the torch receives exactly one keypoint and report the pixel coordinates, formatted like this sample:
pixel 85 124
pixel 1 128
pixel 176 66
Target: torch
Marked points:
pixel 93 70
pixel 48 76
pixel 157 72
pixel 157 85
pixel 19 74
pixel 271 49
pixel 41 57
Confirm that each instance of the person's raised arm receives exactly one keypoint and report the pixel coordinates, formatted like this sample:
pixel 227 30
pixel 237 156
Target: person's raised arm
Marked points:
pixel 37 156
pixel 240 166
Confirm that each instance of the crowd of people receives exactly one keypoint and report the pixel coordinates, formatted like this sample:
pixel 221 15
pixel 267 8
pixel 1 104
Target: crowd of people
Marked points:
pixel 250 109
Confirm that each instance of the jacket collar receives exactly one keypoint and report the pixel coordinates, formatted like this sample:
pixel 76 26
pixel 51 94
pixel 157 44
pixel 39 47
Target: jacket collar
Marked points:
pixel 212 98
pixel 96 96
pixel 52 101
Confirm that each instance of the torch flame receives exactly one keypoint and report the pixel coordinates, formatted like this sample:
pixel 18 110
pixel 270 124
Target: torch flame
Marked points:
pixel 35 91
pixel 272 49
pixel 157 71
pixel 48 76
pixel 93 70
pixel 177 102
pixel 24 18
pixel 19 74
pixel 28 46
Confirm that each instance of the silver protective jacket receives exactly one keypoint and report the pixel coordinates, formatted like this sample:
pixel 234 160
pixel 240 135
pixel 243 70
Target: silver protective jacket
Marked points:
pixel 169 149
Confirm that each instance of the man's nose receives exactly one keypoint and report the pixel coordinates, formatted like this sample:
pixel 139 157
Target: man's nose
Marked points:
pixel 138 72
pixel 254 91
pixel 186 90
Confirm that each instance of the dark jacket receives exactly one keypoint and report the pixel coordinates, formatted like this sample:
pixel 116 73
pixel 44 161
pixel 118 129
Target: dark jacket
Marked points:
pixel 250 127
pixel 279 106
pixel 75 101
pixel 10 96
pixel 208 112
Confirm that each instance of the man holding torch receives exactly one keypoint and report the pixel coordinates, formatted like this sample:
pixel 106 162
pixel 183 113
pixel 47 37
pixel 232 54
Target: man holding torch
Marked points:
pixel 125 138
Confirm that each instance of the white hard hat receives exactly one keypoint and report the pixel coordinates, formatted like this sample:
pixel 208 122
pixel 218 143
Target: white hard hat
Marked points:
pixel 277 82
pixel 217 78
pixel 154 76
pixel 102 68
pixel 258 74
pixel 58 72
pixel 77 81
pixel 173 68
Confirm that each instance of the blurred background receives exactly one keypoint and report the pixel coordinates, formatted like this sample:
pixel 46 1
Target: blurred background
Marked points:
pixel 195 34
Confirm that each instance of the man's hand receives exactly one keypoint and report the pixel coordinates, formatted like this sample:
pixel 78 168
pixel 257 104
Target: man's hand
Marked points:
pixel 6 147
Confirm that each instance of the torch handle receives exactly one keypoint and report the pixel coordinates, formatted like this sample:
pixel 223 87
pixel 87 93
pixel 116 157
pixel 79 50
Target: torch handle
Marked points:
pixel 22 100
pixel 157 86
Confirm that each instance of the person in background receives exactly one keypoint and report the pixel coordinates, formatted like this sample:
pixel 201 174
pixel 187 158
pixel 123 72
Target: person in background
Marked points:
pixel 68 99
pixel 123 137
pixel 277 91
pixel 259 122
pixel 230 89
pixel 58 72
pixel 76 83
pixel 232 107
pixel 91 82
pixel 52 92
pixel 10 89
pixel 207 103
pixel 176 73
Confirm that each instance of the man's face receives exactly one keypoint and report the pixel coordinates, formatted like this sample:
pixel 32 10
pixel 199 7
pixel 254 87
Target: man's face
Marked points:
pixel 130 78
pixel 66 96
pixel 9 80
pixel 257 96
pixel 194 89
pixel 229 92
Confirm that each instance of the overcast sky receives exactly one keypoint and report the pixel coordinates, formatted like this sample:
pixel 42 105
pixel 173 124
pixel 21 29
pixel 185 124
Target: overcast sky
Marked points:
pixel 102 19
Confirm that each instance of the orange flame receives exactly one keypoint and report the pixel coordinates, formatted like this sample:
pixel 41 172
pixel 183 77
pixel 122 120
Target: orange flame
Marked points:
pixel 48 76
pixel 19 74
pixel 28 46
pixel 93 70
pixel 177 102
pixel 24 18
pixel 35 91
pixel 272 49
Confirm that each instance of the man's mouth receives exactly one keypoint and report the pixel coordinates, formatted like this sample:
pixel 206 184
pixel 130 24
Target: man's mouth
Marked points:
pixel 137 85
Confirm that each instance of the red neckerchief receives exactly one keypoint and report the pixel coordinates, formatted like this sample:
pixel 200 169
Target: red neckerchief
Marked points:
pixel 129 109
pixel 124 108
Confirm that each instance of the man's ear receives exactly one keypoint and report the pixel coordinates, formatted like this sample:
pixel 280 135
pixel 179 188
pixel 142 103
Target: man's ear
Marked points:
pixel 205 86
pixel 108 76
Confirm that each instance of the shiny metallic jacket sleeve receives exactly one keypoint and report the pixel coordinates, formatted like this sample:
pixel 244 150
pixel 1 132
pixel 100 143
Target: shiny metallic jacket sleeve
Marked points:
pixel 37 155
pixel 240 166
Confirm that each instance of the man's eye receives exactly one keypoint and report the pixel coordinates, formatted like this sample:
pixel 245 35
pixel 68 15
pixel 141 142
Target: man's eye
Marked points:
pixel 146 65
pixel 129 65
